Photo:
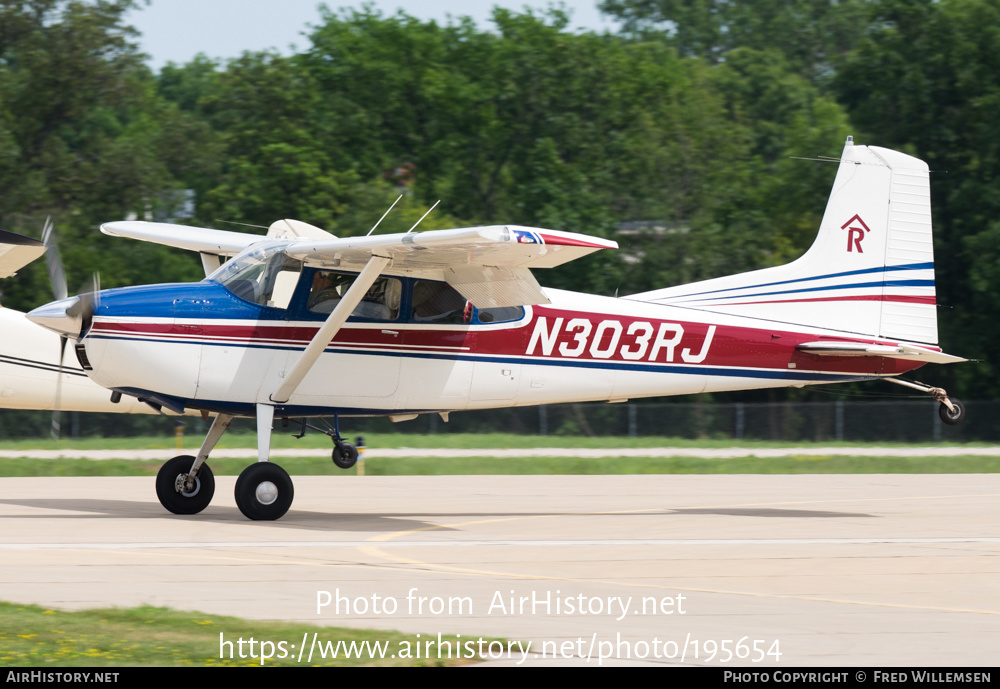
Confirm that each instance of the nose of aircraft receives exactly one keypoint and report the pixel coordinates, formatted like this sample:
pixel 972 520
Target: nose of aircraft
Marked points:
pixel 64 316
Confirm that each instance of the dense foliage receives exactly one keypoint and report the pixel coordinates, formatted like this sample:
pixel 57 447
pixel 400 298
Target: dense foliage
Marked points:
pixel 674 136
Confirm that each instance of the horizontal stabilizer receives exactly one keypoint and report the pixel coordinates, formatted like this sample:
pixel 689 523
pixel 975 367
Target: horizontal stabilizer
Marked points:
pixel 908 352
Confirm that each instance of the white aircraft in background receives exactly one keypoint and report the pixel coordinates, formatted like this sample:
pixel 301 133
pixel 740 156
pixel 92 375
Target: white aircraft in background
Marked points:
pixel 301 323
pixel 34 371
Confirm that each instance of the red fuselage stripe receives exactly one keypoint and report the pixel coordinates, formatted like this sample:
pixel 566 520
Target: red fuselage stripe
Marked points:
pixel 873 297
pixel 563 336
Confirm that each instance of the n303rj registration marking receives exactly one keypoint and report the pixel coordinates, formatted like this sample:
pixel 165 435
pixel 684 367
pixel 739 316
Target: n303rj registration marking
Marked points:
pixel 639 340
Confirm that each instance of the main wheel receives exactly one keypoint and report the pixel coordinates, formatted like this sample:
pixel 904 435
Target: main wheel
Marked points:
pixel 952 417
pixel 345 455
pixel 174 492
pixel 264 492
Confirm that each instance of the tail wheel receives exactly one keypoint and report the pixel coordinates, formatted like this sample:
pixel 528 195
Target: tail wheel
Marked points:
pixel 181 493
pixel 345 455
pixel 949 416
pixel 264 492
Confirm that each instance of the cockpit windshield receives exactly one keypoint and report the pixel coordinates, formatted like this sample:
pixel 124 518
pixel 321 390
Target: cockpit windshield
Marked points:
pixel 262 274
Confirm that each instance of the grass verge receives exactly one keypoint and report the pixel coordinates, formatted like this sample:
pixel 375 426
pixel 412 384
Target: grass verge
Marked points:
pixel 426 466
pixel 282 440
pixel 31 636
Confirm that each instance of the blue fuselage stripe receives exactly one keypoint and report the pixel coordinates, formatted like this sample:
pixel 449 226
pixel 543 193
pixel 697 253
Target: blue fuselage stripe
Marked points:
pixel 865 271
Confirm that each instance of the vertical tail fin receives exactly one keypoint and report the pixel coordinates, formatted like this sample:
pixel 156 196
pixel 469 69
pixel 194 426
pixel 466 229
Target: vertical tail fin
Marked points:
pixel 869 272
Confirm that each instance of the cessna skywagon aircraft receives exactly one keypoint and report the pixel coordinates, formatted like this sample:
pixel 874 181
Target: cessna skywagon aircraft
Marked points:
pixel 304 324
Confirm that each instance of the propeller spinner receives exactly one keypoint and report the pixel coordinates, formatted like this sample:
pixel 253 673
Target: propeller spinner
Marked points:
pixel 69 317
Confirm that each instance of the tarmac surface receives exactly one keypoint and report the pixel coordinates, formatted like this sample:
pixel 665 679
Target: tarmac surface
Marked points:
pixel 860 570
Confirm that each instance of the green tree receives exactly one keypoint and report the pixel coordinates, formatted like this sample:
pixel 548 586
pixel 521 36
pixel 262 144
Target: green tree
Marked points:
pixel 82 139
pixel 928 81
pixel 811 34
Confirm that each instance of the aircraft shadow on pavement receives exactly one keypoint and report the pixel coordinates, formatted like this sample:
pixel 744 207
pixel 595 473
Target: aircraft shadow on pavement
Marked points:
pixel 301 519
pixel 768 512
pixel 131 509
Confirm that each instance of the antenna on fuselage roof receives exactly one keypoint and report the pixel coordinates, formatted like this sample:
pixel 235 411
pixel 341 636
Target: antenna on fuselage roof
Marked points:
pixel 628 266
pixel 384 214
pixel 423 216
pixel 820 159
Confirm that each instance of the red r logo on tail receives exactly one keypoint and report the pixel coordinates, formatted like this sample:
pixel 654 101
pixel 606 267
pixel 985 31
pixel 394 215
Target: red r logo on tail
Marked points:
pixel 855 234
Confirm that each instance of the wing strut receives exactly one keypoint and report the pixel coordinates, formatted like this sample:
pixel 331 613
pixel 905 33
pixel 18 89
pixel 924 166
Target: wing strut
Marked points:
pixel 330 328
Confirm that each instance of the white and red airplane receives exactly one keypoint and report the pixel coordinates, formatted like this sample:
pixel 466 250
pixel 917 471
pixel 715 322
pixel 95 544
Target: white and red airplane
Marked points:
pixel 304 324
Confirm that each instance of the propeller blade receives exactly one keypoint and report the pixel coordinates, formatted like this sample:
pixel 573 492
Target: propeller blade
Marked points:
pixel 56 409
pixel 90 298
pixel 57 278
pixel 53 261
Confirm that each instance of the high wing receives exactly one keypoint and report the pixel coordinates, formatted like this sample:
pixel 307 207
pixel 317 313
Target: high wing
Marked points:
pixel 200 239
pixel 488 265
pixel 205 240
pixel 213 245
pixel 17 251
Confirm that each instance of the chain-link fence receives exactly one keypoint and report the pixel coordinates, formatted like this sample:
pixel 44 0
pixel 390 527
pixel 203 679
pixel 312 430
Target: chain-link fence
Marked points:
pixel 882 421
pixel 900 421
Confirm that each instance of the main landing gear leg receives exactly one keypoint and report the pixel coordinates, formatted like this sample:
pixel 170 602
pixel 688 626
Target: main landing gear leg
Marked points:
pixel 952 411
pixel 264 490
pixel 185 484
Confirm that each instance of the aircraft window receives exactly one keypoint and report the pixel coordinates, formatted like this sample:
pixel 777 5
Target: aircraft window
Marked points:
pixel 499 314
pixel 438 302
pixel 381 302
pixel 263 275
pixel 284 287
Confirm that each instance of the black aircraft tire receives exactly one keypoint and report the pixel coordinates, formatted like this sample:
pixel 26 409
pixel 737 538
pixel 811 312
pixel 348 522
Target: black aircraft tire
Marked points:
pixel 949 417
pixel 264 492
pixel 184 503
pixel 347 458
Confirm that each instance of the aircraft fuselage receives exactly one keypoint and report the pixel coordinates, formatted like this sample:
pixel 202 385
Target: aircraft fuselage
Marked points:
pixel 203 347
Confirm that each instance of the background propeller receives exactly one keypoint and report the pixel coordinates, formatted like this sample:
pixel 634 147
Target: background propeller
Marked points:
pixel 87 301
pixel 57 278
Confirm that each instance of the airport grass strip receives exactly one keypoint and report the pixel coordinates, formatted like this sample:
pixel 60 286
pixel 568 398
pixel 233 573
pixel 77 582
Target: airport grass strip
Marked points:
pixel 426 466
pixel 283 440
pixel 36 637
